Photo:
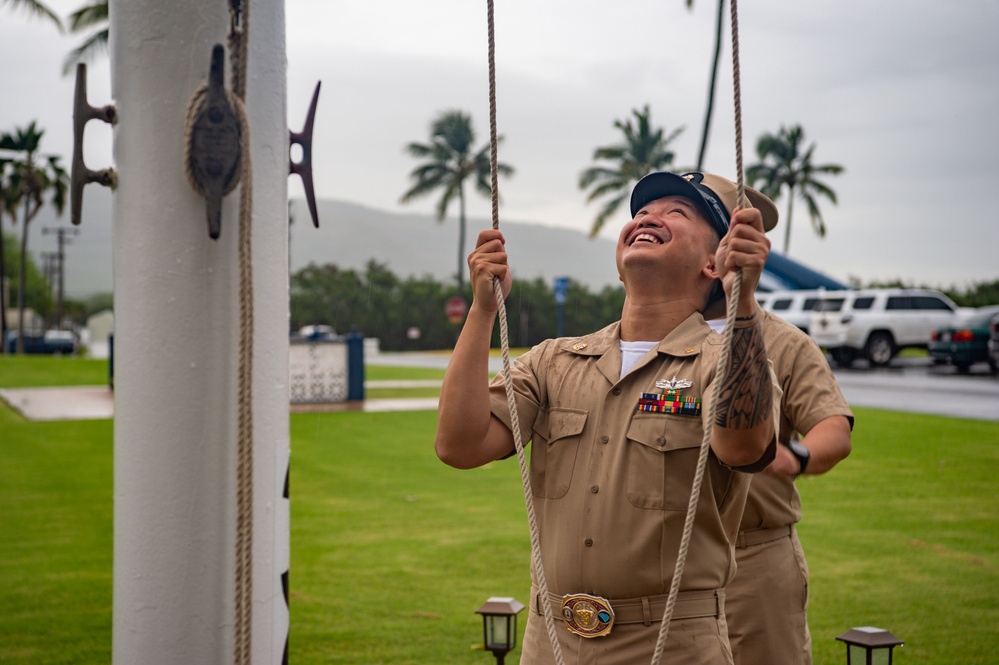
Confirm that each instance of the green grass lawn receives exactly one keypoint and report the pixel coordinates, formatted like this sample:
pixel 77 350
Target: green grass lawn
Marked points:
pixel 392 551
pixel 39 371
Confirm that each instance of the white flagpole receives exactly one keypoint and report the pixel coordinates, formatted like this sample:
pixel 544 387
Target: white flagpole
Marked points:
pixel 176 336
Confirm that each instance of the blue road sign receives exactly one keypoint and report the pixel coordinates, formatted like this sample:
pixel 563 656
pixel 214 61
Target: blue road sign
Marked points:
pixel 561 288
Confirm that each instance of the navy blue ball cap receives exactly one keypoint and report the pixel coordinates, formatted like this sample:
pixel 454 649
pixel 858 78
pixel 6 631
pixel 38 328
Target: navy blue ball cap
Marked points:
pixel 713 195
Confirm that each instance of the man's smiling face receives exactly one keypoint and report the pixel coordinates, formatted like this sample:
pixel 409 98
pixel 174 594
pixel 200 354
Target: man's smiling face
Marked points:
pixel 670 229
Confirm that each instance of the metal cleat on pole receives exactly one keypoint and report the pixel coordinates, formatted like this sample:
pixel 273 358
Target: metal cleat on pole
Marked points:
pixel 303 168
pixel 81 176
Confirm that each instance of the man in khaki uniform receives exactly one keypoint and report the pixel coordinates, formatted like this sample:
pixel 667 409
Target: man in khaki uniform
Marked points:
pixel 616 418
pixel 771 563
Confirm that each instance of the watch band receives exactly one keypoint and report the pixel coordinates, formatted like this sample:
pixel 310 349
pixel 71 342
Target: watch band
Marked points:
pixel 801 453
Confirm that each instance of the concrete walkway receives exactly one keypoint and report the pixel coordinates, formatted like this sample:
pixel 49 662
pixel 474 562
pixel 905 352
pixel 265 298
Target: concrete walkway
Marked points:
pixel 69 403
pixel 97 402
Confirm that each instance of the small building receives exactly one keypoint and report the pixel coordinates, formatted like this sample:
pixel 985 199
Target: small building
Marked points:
pixel 96 333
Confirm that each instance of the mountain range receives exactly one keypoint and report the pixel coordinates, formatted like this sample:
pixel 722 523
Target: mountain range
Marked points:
pixel 349 236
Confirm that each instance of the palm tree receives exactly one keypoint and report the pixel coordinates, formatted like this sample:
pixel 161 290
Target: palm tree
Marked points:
pixel 3 267
pixel 450 162
pixel 709 111
pixel 94 15
pixel 31 177
pixel 782 164
pixel 643 151
pixel 35 9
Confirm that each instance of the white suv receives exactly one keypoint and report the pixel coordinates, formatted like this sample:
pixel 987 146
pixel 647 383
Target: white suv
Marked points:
pixel 876 323
pixel 792 306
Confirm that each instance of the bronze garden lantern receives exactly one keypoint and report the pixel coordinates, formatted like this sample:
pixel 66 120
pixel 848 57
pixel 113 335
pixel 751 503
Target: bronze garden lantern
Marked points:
pixel 869 646
pixel 499 625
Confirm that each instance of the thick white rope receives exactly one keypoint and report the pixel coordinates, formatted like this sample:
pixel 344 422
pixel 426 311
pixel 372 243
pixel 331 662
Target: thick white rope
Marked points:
pixel 243 600
pixel 505 350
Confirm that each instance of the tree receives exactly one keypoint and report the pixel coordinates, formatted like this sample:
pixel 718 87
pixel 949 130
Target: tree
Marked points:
pixel 381 305
pixel 31 176
pixel 643 151
pixel 94 15
pixel 709 110
pixel 3 261
pixel 37 285
pixel 450 161
pixel 783 164
pixel 35 9
pixel 37 288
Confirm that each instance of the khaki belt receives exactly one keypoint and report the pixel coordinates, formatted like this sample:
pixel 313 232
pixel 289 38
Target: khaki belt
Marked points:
pixel 649 609
pixel 760 536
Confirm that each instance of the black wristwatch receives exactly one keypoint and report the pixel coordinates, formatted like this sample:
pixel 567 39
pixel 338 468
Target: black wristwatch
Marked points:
pixel 801 453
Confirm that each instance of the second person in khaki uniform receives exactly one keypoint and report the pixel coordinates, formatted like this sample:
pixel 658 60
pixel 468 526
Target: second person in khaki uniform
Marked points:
pixel 768 599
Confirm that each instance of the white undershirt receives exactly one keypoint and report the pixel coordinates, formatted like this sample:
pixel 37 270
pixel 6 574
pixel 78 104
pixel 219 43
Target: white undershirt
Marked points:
pixel 632 352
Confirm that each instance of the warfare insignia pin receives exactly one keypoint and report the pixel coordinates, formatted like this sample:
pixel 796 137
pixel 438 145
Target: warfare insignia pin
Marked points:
pixel 673 384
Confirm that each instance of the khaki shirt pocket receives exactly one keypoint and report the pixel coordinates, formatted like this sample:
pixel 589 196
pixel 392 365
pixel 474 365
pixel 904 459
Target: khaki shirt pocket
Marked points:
pixel 662 452
pixel 554 445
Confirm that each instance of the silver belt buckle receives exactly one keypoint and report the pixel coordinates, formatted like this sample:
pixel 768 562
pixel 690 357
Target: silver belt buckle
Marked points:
pixel 586 615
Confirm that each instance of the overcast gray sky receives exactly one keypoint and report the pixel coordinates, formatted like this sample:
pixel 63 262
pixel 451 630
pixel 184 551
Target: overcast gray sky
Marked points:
pixel 903 95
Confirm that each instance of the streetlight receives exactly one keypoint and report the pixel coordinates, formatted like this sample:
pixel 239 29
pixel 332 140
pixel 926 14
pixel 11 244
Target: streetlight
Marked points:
pixel 499 625
pixel 869 646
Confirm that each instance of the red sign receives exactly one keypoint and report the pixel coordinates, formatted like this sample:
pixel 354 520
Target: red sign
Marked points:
pixel 456 308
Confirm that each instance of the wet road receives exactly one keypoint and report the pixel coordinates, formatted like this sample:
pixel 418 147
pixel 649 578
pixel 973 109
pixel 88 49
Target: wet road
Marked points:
pixel 918 387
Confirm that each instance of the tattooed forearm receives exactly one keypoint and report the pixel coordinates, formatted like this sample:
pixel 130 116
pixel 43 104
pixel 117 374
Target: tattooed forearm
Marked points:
pixel 745 396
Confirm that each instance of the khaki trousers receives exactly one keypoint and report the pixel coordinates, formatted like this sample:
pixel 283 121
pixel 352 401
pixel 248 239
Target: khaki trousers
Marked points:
pixel 767 602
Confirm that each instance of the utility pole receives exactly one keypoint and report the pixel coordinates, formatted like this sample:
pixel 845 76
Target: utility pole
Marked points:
pixel 48 271
pixel 59 270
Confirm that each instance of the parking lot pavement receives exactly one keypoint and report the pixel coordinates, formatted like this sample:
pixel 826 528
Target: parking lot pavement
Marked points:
pixel 426 359
pixel 371 405
pixel 921 389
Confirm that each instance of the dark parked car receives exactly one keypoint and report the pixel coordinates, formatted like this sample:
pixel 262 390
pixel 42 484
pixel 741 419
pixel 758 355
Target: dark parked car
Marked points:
pixel 56 342
pixel 964 342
